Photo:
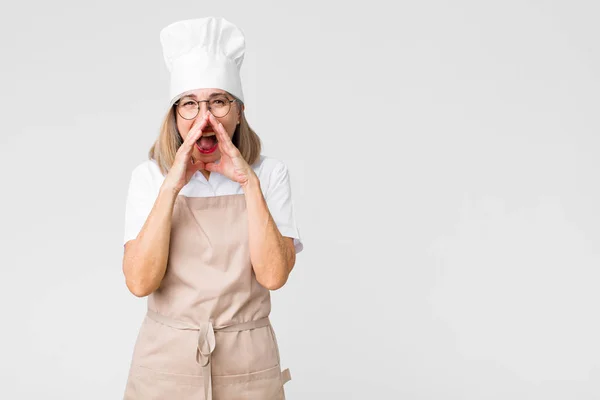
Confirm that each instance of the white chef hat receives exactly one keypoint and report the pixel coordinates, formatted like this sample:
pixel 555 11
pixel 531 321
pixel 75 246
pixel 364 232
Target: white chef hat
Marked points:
pixel 203 53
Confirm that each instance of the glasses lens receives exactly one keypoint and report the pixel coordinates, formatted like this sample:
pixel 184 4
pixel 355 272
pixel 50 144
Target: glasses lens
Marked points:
pixel 187 108
pixel 219 106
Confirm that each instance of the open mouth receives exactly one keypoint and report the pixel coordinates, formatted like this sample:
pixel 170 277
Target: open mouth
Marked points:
pixel 207 143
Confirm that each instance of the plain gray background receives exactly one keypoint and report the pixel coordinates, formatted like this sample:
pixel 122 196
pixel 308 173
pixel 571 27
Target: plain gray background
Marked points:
pixel 444 167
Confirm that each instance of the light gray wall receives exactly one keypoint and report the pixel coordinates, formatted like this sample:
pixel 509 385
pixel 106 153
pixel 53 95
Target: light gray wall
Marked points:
pixel 444 162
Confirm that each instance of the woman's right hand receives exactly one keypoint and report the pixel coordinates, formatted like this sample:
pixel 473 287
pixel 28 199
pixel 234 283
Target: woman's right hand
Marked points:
pixel 184 166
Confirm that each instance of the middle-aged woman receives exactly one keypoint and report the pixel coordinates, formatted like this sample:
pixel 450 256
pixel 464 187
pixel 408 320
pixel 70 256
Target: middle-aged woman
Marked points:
pixel 209 231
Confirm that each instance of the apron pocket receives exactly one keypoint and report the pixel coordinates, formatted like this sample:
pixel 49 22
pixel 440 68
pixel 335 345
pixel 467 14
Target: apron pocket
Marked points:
pixel 147 384
pixel 264 385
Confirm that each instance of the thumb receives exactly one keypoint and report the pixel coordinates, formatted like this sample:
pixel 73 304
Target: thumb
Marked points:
pixel 197 165
pixel 211 166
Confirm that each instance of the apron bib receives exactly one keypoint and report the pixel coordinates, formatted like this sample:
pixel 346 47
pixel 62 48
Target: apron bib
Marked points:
pixel 207 335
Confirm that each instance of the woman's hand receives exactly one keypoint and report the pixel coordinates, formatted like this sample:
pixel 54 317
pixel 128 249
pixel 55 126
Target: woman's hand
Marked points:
pixel 231 164
pixel 184 165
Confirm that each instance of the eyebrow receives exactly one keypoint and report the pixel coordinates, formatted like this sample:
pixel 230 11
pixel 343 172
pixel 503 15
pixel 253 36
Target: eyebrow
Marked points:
pixel 210 95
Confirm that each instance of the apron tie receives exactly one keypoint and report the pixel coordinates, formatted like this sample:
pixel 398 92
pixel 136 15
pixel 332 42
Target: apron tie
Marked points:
pixel 207 343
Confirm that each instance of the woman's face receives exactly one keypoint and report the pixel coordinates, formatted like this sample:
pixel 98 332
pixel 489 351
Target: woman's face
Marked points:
pixel 229 121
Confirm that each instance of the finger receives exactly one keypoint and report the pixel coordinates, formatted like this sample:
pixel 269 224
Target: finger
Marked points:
pixel 222 136
pixel 196 131
pixel 198 165
pixel 195 164
pixel 217 128
pixel 212 167
pixel 193 134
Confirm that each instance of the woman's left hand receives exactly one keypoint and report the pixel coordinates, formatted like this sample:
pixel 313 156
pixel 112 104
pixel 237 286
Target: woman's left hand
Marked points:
pixel 232 164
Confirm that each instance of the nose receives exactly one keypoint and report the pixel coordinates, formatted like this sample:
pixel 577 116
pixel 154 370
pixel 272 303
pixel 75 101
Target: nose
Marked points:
pixel 202 111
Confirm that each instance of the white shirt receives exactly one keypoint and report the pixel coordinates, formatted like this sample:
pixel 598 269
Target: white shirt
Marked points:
pixel 146 180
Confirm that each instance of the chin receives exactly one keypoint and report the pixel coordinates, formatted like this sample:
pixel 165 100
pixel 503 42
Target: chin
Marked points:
pixel 209 157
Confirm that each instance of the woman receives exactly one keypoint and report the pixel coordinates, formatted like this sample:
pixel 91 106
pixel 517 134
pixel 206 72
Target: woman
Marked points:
pixel 209 231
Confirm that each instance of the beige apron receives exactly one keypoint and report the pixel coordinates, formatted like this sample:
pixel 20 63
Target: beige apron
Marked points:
pixel 207 333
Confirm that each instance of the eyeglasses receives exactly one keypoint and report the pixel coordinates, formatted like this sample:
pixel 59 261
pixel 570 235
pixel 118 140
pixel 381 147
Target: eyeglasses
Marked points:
pixel 189 108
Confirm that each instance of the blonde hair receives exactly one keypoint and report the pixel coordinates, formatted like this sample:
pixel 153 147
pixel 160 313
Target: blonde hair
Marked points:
pixel 169 140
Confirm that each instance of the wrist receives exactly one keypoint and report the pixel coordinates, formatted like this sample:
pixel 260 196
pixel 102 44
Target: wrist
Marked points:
pixel 252 183
pixel 169 190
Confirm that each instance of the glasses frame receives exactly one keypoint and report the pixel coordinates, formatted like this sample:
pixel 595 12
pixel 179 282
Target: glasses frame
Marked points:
pixel 176 104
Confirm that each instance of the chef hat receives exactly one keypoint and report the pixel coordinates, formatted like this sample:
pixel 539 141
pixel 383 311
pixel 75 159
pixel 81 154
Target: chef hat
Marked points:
pixel 203 53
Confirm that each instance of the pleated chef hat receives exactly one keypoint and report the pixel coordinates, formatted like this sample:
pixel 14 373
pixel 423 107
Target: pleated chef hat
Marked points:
pixel 203 53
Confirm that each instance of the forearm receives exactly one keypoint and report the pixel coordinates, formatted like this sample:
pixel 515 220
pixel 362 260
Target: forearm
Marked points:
pixel 145 263
pixel 270 256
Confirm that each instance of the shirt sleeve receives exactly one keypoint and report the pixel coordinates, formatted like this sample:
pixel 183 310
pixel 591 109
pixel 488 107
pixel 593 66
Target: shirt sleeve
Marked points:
pixel 140 200
pixel 280 203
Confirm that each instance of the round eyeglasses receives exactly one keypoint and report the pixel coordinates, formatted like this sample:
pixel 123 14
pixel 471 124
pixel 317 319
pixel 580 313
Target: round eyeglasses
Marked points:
pixel 188 108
